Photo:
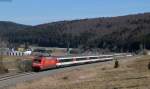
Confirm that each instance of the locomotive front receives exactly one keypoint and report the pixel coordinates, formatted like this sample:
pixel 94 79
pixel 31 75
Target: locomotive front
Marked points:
pixel 37 64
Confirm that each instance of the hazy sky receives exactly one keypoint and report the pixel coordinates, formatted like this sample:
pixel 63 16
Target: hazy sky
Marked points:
pixel 42 11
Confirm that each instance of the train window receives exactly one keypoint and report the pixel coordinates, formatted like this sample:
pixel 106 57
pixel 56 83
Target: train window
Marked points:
pixel 50 58
pixel 93 57
pixel 105 56
pixel 37 60
pixel 80 59
pixel 65 60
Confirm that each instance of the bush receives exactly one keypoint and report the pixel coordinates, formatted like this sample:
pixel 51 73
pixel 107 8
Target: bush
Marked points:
pixel 145 52
pixel 116 63
pixel 65 78
pixel 149 65
pixel 24 65
pixel 2 67
pixel 115 88
pixel 75 51
pixel 3 70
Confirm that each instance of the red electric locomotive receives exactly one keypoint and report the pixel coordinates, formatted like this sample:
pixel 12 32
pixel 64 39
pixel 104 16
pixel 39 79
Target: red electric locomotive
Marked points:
pixel 42 62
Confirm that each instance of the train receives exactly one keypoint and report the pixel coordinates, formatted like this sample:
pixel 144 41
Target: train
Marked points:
pixel 47 62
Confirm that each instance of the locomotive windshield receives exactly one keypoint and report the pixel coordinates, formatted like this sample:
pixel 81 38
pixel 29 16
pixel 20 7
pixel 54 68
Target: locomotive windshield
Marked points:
pixel 37 59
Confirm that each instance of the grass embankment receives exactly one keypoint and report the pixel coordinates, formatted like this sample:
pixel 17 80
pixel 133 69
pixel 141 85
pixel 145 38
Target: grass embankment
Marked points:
pixel 131 74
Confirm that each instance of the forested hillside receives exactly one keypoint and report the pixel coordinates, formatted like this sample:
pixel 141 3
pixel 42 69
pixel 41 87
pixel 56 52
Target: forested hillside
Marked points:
pixel 123 33
pixel 7 27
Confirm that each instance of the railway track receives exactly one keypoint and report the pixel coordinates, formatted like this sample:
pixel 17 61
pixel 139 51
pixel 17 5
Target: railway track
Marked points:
pixel 10 76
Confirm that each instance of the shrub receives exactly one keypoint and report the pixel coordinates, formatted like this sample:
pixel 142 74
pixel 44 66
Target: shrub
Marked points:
pixel 75 51
pixel 65 78
pixel 116 63
pixel 115 88
pixel 24 65
pixel 2 67
pixel 3 70
pixel 145 52
pixel 149 65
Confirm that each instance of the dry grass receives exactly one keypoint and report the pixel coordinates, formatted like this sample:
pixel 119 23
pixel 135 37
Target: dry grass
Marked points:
pixel 131 74
pixel 11 62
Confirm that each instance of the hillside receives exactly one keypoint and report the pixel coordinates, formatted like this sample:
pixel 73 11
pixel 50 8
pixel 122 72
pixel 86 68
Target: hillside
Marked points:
pixel 122 33
pixel 7 27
